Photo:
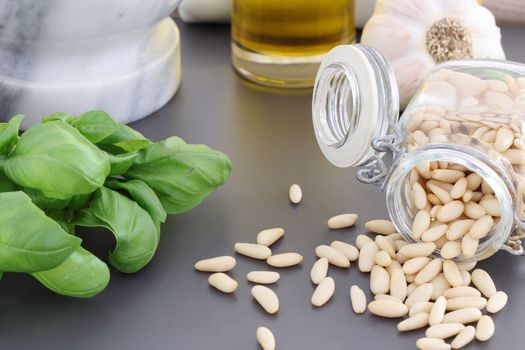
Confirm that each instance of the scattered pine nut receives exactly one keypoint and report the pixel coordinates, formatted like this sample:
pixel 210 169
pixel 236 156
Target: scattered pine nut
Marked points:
pixel 323 292
pixel 295 194
pixel 319 270
pixel 342 221
pixel 218 264
pixel 358 299
pixel 382 227
pixel 266 298
pixel 284 260
pixel 223 282
pixel 269 236
pixel 254 251
pixel 265 338
pixel 263 277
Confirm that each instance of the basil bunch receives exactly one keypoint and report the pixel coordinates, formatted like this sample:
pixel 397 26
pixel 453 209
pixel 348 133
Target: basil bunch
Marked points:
pixel 92 171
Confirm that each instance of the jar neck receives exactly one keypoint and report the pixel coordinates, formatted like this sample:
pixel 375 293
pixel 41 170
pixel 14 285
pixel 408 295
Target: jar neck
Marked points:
pixel 495 171
pixel 355 100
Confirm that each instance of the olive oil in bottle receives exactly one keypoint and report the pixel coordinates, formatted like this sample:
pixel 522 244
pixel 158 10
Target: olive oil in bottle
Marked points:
pixel 281 42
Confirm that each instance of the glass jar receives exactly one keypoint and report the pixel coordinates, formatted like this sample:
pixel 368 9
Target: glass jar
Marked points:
pixel 282 42
pixel 468 115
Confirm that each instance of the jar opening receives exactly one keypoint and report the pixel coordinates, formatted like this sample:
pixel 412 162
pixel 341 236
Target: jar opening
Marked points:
pixel 338 105
pixel 400 203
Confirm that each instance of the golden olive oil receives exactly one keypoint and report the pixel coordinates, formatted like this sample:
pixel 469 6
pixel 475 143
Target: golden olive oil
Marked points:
pixel 265 30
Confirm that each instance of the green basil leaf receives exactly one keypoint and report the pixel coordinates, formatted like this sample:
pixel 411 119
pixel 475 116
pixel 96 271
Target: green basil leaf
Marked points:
pixel 9 134
pixel 81 275
pixel 181 174
pixel 95 125
pixel 141 193
pixel 120 163
pixel 6 185
pixel 29 240
pixel 62 116
pixel 124 140
pixel 46 203
pixel 57 160
pixel 63 218
pixel 136 233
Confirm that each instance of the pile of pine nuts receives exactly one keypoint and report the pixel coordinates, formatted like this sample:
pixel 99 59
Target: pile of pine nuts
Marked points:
pixel 435 293
pixel 455 208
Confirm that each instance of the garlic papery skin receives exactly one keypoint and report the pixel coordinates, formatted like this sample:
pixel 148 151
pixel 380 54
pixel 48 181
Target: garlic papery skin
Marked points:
pixel 416 35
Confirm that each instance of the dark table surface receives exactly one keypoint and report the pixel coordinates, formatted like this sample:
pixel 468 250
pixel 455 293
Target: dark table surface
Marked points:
pixel 168 305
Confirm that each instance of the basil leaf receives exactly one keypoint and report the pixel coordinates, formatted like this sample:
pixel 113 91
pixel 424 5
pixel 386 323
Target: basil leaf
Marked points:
pixel 29 240
pixel 124 140
pixel 9 134
pixel 181 174
pixel 63 218
pixel 6 185
pixel 45 203
pixel 135 231
pixel 57 160
pixel 120 163
pixel 141 193
pixel 81 275
pixel 61 116
pixel 95 125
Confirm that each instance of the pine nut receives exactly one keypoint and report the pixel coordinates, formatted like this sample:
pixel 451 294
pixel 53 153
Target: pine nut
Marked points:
pixel 438 311
pixel 450 249
pixel 435 232
pixel 452 273
pixel 459 188
pixel 420 196
pixel 388 309
pixel 458 229
pixel 265 338
pixel 358 299
pixel 464 302
pixel 269 236
pixel 485 328
pixel 482 280
pixel 342 221
pixel 431 344
pixel 414 265
pixel 504 139
pixel 421 223
pixel 263 277
pixel 442 194
pixel 497 302
pixel 254 251
pixel 218 264
pixel 431 270
pixel 351 252
pixel 223 282
pixel 440 285
pixel 266 298
pixel 323 292
pixel 398 285
pixel 379 280
pixel 382 259
pixel 444 330
pixel 469 246
pixel 464 337
pixel 463 291
pixel 451 211
pixel 447 175
pixel 284 260
pixel 334 256
pixel 491 206
pixel 382 227
pixel 419 307
pixel 481 227
pixel 319 270
pixel 366 256
pixel 412 323
pixel 417 249
pixel 421 293
pixel 295 194
pixel 474 210
pixel 467 315
pixel 473 181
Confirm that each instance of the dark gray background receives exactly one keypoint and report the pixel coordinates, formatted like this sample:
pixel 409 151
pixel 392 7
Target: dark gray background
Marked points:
pixel 168 305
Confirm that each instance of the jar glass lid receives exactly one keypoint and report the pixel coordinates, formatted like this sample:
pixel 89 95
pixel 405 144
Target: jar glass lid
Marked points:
pixel 355 100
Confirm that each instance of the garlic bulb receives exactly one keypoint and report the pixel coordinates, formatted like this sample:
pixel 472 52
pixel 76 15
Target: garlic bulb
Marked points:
pixel 415 35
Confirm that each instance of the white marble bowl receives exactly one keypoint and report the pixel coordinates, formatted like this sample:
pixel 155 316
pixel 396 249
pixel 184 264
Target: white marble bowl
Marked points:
pixel 129 68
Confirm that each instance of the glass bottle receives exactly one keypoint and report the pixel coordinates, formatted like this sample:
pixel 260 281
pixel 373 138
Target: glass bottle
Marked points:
pixel 453 119
pixel 282 42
